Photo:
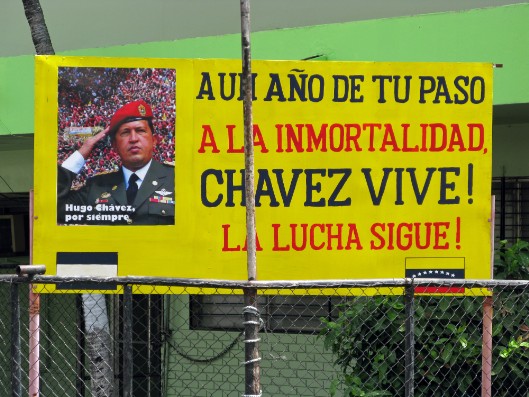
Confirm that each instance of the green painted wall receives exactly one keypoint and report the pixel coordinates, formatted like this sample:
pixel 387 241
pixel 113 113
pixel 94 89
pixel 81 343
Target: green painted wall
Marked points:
pixel 496 35
pixel 16 170
pixel 291 365
pixel 510 145
pixel 16 95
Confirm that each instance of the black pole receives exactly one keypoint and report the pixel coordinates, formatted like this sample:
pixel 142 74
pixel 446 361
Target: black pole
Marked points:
pixel 252 369
pixel 79 370
pixel 127 341
pixel 409 340
pixel 16 361
pixel 503 207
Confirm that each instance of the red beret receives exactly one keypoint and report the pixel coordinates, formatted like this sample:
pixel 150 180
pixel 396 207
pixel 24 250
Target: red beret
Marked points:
pixel 132 111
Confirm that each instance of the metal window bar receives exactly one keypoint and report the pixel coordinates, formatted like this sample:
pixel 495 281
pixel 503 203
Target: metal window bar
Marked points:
pixel 287 314
pixel 512 208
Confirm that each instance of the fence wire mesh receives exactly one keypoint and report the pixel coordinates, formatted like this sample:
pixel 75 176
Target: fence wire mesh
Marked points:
pixel 315 340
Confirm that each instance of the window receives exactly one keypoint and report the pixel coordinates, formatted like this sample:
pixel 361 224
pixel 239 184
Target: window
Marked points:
pixel 280 313
pixel 512 208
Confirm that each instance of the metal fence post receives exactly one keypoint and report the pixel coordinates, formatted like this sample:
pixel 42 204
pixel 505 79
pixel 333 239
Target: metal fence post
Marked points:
pixel 16 361
pixel 34 316
pixel 127 341
pixel 409 339
pixel 486 359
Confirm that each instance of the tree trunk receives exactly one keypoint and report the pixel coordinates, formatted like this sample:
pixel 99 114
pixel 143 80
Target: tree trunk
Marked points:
pixel 39 30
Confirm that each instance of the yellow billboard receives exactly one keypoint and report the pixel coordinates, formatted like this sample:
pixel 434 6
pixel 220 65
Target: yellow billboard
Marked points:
pixel 362 169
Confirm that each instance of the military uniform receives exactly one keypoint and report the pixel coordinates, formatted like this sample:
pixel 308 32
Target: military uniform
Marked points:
pixel 103 200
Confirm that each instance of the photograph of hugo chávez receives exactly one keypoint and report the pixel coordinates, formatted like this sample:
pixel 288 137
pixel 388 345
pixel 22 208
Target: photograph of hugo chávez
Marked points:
pixel 116 146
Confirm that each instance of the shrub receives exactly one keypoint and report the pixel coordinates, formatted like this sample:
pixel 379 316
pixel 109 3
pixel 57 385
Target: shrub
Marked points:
pixel 367 340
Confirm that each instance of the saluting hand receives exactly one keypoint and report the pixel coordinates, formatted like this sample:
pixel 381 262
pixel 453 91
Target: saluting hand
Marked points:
pixel 89 144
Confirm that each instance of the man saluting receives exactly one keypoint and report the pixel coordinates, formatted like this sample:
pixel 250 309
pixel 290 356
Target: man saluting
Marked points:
pixel 141 192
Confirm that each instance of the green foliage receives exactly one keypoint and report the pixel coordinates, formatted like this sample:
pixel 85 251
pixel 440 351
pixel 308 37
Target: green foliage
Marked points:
pixel 511 262
pixel 367 340
pixel 513 347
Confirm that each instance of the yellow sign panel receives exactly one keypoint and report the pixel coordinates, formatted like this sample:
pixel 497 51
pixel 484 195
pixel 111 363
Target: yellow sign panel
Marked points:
pixel 362 169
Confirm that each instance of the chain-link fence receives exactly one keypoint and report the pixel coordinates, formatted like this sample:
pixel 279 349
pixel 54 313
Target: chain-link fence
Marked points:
pixel 186 338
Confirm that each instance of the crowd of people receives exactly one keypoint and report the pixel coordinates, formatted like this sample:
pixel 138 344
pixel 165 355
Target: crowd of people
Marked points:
pixel 88 97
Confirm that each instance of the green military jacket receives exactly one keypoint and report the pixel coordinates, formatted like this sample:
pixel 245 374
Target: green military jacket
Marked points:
pixel 103 200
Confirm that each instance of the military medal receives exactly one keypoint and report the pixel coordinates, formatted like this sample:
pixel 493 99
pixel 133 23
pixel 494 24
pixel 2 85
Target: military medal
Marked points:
pixel 162 199
pixel 163 192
